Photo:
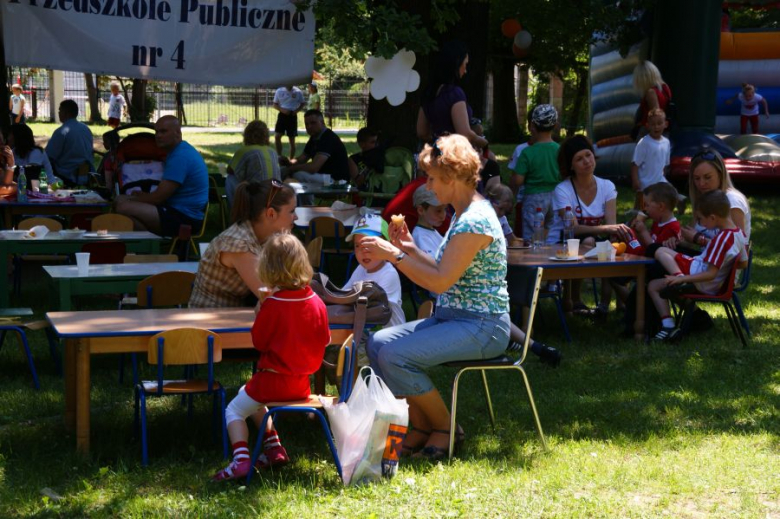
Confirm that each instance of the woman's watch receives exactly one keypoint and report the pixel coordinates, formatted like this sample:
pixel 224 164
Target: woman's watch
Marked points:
pixel 399 257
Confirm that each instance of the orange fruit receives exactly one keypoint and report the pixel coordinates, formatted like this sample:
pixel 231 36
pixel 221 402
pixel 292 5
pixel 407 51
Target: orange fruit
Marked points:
pixel 620 247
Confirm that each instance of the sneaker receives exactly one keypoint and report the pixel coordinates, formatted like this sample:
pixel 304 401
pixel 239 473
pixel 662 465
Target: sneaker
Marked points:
pixel 236 470
pixel 668 335
pixel 514 347
pixel 550 356
pixel 274 457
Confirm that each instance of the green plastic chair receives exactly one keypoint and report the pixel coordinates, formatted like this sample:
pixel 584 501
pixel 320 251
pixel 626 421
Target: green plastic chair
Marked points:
pixel 399 166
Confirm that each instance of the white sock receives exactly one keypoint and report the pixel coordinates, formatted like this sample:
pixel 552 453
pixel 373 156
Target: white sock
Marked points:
pixel 667 322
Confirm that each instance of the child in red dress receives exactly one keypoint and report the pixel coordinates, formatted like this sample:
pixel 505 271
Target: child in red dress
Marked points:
pixel 291 332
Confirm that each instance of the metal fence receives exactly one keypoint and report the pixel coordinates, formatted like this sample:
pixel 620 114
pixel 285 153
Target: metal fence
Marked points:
pixel 344 101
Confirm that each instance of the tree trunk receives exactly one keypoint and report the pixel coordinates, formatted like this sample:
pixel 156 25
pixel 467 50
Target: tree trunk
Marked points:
pixel 578 104
pixel 521 94
pixel 504 127
pixel 94 108
pixel 180 113
pixel 137 106
pixel 398 124
pixel 470 29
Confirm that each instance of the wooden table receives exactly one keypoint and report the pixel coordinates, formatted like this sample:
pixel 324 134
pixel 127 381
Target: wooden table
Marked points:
pixel 107 279
pixel 307 214
pixel 53 243
pixel 128 331
pixel 626 265
pixel 11 209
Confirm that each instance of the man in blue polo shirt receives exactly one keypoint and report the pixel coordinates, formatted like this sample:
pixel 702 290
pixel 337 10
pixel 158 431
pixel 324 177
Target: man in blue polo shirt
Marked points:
pixel 70 146
pixel 181 197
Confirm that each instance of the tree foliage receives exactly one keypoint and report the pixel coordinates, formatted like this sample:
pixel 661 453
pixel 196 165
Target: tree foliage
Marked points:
pixel 381 28
pixel 330 58
pixel 563 30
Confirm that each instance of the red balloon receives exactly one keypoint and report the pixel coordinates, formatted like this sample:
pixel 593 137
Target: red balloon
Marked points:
pixel 518 52
pixel 510 27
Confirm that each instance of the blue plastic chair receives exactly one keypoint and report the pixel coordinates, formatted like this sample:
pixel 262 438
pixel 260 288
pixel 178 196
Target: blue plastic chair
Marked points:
pixel 555 295
pixel 344 369
pixel 21 330
pixel 333 230
pixel 741 286
pixel 173 290
pixel 182 347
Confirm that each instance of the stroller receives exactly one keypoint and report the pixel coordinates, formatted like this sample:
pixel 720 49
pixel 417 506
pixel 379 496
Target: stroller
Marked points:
pixel 131 163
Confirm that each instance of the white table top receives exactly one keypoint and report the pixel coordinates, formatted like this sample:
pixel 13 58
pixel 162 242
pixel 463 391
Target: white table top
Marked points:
pixel 120 269
pixel 56 236
pixel 316 188
pixel 348 217
pixel 116 323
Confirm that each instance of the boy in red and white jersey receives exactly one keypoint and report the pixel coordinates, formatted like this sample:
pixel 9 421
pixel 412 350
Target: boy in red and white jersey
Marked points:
pixel 710 269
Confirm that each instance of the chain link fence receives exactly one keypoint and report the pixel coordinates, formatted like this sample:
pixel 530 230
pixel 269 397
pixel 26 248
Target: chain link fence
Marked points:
pixel 344 101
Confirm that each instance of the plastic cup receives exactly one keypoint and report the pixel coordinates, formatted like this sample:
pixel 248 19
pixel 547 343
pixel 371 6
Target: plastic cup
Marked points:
pixel 82 261
pixel 573 247
pixel 603 250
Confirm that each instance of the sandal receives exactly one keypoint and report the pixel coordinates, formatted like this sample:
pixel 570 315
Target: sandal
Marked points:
pixel 434 453
pixel 408 450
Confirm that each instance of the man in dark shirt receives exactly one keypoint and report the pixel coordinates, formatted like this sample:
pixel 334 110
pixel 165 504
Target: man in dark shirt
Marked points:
pixel 324 153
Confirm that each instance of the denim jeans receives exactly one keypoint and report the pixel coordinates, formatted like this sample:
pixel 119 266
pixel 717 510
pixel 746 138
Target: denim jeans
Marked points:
pixel 401 354
pixel 530 203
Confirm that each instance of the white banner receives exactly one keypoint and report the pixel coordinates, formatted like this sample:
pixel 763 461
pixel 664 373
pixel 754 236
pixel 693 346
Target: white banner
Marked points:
pixel 223 42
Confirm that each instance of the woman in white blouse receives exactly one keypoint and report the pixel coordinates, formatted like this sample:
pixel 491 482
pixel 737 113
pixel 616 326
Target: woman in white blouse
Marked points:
pixel 594 203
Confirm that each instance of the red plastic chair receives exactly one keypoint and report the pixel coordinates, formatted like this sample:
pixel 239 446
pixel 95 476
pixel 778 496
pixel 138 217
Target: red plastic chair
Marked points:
pixel 724 297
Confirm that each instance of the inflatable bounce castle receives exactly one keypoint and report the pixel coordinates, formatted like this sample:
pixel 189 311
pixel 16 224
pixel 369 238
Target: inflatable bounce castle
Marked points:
pixel 706 119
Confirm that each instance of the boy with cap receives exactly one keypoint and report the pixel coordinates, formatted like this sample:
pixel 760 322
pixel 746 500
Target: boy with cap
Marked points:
pixel 379 271
pixel 537 170
pixel 431 214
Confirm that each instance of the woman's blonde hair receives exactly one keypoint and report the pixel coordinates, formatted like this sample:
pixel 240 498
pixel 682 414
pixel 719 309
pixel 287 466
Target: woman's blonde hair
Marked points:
pixel 454 157
pixel 646 76
pixel 713 158
pixel 256 132
pixel 284 263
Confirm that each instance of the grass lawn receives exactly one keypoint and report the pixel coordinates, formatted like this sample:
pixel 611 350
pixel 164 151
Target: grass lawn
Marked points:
pixel 635 430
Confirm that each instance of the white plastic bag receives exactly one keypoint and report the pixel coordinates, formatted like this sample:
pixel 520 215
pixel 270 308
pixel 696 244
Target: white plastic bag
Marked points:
pixel 368 429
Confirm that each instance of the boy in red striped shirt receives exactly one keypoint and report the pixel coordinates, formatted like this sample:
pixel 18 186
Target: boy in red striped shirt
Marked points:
pixel 707 271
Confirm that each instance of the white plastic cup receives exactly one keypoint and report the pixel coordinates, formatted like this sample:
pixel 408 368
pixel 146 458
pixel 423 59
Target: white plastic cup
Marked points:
pixel 222 169
pixel 603 250
pixel 82 261
pixel 573 247
pixel 203 247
